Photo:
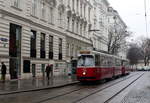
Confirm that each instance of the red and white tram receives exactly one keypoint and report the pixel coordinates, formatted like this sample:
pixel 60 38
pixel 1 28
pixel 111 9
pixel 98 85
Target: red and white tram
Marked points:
pixel 93 66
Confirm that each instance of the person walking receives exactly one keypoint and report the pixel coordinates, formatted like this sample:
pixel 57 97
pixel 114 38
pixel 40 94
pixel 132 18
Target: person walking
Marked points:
pixel 3 71
pixel 48 71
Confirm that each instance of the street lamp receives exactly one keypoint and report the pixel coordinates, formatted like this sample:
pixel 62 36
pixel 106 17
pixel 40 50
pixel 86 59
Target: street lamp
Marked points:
pixel 93 30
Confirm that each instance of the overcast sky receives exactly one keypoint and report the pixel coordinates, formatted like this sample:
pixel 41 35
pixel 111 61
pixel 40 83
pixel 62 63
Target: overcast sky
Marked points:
pixel 132 13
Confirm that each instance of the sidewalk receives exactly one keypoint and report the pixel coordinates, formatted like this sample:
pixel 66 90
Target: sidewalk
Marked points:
pixel 24 85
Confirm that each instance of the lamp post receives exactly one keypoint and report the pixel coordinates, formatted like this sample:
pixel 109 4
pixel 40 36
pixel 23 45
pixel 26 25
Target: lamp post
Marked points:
pixel 94 30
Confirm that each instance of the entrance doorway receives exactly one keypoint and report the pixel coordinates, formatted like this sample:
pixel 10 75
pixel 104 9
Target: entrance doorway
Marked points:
pixel 15 51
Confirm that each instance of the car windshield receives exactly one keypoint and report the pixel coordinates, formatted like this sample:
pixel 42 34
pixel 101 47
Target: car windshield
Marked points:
pixel 86 60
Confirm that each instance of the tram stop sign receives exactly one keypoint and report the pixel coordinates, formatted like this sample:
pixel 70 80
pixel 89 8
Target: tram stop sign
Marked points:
pixel 4 41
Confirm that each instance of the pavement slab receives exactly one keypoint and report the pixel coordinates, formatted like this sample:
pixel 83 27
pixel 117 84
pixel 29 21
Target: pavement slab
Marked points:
pixel 22 85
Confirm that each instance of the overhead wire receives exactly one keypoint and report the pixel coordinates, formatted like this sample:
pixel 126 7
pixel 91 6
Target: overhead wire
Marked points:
pixel 145 8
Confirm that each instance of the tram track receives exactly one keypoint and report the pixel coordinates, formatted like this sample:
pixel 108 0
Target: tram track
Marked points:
pixel 108 100
pixel 76 90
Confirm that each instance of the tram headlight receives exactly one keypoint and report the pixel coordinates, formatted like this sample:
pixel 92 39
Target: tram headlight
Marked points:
pixel 84 73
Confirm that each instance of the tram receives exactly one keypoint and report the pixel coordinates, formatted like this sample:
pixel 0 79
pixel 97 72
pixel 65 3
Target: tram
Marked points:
pixel 93 66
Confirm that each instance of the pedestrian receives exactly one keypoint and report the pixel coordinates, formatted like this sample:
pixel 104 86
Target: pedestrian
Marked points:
pixel 48 71
pixel 3 71
pixel 51 70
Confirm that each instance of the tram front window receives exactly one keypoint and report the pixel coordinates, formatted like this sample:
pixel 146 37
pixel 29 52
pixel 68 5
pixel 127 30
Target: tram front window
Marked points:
pixel 86 60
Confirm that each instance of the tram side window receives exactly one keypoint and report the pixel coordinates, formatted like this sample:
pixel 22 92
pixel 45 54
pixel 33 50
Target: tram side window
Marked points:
pixel 109 61
pixel 97 60
pixel 118 62
pixel 103 60
pixel 122 63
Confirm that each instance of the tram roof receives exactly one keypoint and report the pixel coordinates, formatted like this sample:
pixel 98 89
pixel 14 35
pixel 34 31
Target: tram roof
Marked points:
pixel 87 52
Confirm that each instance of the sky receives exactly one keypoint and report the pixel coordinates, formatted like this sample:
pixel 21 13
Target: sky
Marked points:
pixel 133 14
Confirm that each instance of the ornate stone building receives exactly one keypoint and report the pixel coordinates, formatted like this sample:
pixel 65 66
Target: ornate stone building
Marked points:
pixel 34 33
pixel 39 32
pixel 100 25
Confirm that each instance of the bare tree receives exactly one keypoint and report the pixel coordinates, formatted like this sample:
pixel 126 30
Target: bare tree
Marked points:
pixel 145 50
pixel 116 38
pixel 134 54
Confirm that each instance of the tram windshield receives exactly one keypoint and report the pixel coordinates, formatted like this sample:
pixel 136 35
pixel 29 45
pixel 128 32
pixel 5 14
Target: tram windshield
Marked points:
pixel 86 60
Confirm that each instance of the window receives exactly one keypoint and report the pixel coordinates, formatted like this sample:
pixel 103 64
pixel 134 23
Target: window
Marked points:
pixel 26 66
pixel 73 24
pixel 72 50
pixel 77 5
pixel 86 60
pixel 42 50
pixel 60 18
pixel 81 9
pixel 15 40
pixel 77 26
pixel 81 28
pixel 68 23
pixel 51 15
pixel 68 49
pixel 73 4
pixel 60 49
pixel 50 47
pixel 43 10
pixel 16 3
pixel 84 10
pixel 97 60
pixel 89 13
pixel 84 29
pixel 34 7
pixel 33 44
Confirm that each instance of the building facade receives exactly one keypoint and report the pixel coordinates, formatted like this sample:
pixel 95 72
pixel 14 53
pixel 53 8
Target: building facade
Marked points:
pixel 34 33
pixel 41 32
pixel 100 25
pixel 78 25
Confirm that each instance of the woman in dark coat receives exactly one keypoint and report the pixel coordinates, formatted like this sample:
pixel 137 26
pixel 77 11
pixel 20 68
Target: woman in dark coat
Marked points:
pixel 3 71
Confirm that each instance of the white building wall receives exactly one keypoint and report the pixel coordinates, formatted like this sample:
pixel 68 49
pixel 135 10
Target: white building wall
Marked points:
pixel 100 25
pixel 22 16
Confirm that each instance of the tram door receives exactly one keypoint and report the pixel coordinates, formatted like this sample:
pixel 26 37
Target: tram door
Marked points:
pixel 15 51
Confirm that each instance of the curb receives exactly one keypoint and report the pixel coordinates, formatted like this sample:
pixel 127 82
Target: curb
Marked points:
pixel 37 89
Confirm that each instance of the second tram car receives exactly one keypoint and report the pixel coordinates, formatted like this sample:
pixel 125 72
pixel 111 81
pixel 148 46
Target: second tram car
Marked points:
pixel 93 66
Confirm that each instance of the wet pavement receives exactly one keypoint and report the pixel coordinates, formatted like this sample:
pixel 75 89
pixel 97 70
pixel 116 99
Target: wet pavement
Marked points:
pixel 139 92
pixel 35 83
